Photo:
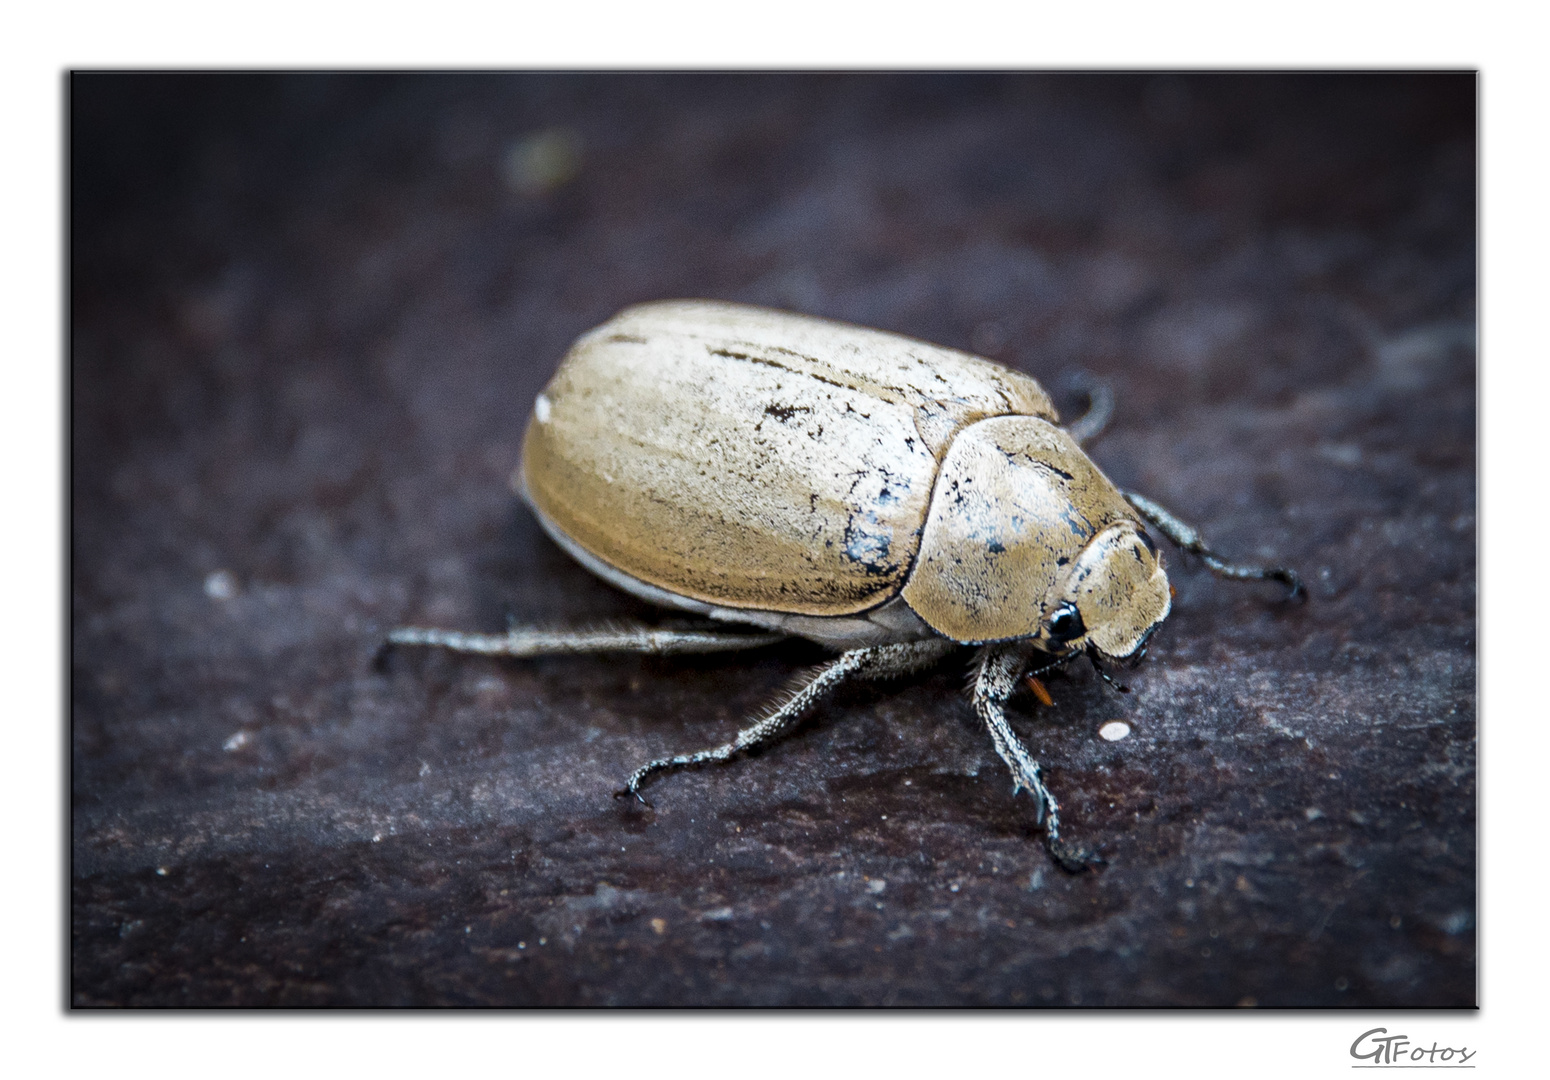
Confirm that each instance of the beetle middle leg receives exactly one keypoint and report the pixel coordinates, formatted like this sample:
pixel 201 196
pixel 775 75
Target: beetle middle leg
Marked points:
pixel 1188 538
pixel 997 674
pixel 873 662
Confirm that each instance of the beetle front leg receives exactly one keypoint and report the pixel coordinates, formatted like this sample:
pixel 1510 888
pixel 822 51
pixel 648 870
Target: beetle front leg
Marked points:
pixel 873 662
pixel 997 674
pixel 1188 538
pixel 522 641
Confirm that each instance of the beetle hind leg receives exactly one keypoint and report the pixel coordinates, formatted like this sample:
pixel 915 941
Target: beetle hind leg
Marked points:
pixel 1188 538
pixel 522 641
pixel 873 662
pixel 996 675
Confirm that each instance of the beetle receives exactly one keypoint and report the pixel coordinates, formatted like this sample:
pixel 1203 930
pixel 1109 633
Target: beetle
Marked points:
pixel 892 500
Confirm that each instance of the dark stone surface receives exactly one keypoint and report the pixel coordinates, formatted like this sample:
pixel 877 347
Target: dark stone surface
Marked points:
pixel 309 317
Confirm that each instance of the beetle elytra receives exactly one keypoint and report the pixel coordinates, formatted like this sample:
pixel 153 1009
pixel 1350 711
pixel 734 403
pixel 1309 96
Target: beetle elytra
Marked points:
pixel 892 500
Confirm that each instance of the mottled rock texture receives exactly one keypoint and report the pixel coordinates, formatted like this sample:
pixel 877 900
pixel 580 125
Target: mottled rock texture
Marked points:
pixel 309 316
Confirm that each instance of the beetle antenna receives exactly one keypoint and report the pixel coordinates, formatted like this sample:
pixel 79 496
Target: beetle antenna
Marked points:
pixel 1092 658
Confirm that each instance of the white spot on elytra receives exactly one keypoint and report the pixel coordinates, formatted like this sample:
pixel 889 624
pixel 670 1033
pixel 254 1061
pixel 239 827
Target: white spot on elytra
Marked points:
pixel 541 409
pixel 1114 730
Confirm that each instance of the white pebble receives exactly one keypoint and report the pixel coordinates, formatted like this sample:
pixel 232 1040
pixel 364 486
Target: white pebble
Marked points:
pixel 1114 730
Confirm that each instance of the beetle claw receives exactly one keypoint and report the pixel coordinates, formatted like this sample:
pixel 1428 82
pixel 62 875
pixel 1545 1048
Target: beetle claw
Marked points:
pixel 1289 577
pixel 1073 858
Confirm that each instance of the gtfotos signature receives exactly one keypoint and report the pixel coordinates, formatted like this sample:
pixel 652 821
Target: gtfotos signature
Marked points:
pixel 1382 1049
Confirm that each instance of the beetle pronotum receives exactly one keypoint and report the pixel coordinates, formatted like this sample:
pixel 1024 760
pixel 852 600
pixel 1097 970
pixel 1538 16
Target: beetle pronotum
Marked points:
pixel 890 499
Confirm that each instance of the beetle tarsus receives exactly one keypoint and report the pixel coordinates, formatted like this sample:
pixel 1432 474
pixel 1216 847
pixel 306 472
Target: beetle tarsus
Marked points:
pixel 1073 858
pixel 1187 538
pixel 1296 590
pixel 996 676
pixel 1092 658
pixel 872 662
pixel 629 792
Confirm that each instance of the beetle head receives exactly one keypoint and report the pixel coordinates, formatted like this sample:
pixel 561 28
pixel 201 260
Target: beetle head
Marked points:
pixel 1114 596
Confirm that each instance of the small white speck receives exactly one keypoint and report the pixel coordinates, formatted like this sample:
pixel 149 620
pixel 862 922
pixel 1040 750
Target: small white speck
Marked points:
pixel 236 742
pixel 1114 730
pixel 468 929
pixel 425 768
pixel 1313 813
pixel 952 888
pixel 161 871
pixel 521 944
pixel 376 838
pixel 543 941
pixel 220 585
pixel 885 817
pixel 541 409
pixel 876 886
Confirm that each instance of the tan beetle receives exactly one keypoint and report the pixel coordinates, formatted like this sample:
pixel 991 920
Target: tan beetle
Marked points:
pixel 889 499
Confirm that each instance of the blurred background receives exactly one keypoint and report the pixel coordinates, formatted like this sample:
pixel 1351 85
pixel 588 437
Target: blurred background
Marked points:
pixel 309 314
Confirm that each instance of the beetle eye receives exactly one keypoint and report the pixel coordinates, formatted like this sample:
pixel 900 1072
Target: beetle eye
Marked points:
pixel 1067 624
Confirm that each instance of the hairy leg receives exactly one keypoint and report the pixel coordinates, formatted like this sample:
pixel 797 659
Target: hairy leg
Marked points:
pixel 529 641
pixel 1189 539
pixel 997 672
pixel 874 662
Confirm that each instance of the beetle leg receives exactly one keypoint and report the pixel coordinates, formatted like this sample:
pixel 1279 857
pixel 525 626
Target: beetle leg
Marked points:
pixel 873 662
pixel 1092 657
pixel 1100 408
pixel 1189 539
pixel 996 676
pixel 530 641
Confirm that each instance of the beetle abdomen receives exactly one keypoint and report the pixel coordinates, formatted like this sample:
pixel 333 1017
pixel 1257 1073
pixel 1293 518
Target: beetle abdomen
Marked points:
pixel 755 459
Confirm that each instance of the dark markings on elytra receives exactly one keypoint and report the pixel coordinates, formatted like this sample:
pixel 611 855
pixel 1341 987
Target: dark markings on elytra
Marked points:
pixel 1014 456
pixel 625 339
pixel 868 549
pixel 767 362
pixel 784 413
pixel 1078 524
pixel 893 394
